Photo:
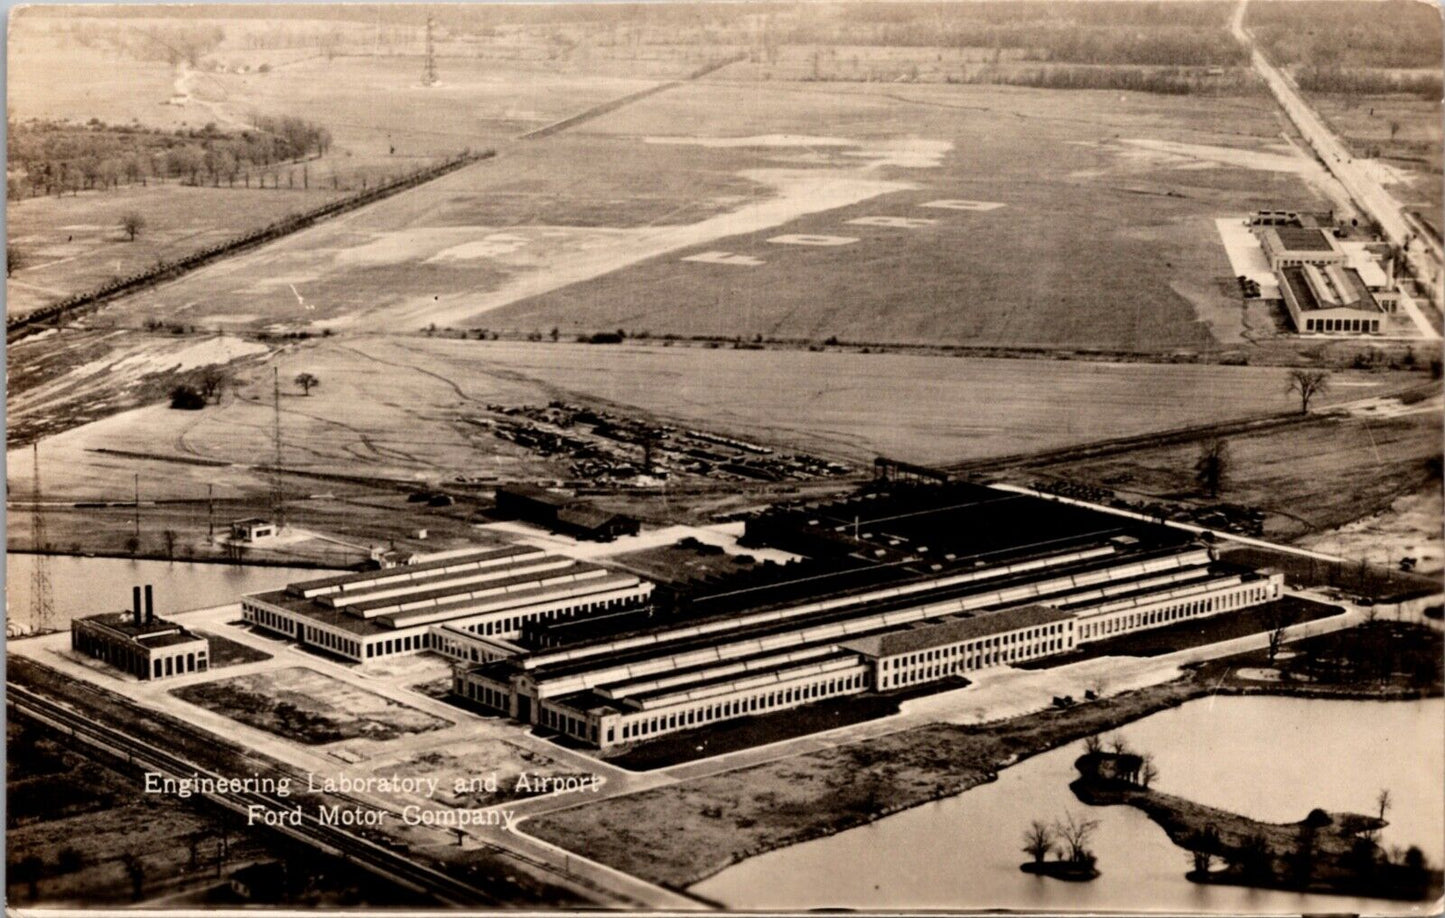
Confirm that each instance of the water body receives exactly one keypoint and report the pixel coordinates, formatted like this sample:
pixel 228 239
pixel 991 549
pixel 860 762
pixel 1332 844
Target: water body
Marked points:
pixel 82 586
pixel 1273 758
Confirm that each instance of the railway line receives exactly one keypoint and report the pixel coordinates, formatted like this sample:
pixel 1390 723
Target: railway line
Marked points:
pixel 379 860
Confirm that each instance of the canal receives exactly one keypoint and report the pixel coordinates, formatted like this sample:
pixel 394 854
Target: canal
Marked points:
pixel 1272 758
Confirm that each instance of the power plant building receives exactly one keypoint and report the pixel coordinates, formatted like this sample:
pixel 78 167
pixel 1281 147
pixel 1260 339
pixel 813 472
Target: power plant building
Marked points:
pixel 139 643
pixel 924 585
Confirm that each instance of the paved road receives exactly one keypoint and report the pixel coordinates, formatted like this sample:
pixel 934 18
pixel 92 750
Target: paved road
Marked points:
pixel 1423 253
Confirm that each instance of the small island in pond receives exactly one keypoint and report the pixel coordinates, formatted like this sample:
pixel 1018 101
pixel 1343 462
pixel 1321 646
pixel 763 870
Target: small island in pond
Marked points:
pixel 1068 838
pixel 1336 853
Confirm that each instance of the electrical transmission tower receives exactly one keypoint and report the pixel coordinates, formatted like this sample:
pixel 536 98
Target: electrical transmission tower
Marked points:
pixel 42 600
pixel 429 68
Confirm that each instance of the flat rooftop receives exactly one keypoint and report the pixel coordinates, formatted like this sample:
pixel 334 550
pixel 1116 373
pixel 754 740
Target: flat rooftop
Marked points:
pixel 952 630
pixel 1303 239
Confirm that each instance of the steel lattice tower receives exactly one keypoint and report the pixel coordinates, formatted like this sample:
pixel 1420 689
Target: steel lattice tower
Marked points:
pixel 429 68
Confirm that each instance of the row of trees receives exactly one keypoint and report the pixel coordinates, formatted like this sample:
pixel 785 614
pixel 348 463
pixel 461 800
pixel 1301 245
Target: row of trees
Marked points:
pixel 55 157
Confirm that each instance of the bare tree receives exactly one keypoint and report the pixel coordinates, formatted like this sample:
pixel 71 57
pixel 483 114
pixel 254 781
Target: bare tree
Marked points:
pixel 212 379
pixel 1307 384
pixel 1038 841
pixel 1211 466
pixel 14 260
pixel 307 382
pixel 1148 772
pixel 169 536
pixel 132 222
pixel 1118 744
pixel 1278 618
pixel 136 871
pixel 1383 801
pixel 1075 834
pixel 1092 744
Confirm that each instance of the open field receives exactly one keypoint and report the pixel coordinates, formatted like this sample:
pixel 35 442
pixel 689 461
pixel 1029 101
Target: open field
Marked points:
pixel 410 423
pixel 1307 478
pixel 74 243
pixel 308 707
pixel 1105 239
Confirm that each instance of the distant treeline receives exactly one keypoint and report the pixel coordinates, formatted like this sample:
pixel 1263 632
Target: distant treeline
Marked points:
pixel 1355 81
pixel 48 157
pixel 1348 33
pixel 1143 32
pixel 1175 81
pixel 170 270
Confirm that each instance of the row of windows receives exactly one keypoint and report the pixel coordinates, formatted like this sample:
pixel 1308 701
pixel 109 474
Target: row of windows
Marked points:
pixel 1236 599
pixel 1342 325
pixel 957 658
pixel 512 624
pixel 645 727
pixel 485 694
pixel 341 645
pixel 136 661
pixel 569 725
pixel 175 665
pixel 268 619
pixel 404 644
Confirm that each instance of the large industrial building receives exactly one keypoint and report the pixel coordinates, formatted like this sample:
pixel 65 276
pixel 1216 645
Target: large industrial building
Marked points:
pixel 468 604
pixel 919 585
pixel 139 643
pixel 1326 287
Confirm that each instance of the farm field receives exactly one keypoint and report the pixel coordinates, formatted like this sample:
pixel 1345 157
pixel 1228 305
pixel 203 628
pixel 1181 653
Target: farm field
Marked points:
pixel 308 707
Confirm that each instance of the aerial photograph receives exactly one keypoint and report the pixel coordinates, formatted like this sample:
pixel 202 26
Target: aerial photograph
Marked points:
pixel 683 456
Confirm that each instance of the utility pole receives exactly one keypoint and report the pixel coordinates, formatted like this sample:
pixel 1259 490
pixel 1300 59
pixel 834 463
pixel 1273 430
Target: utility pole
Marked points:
pixel 42 601
pixel 137 506
pixel 211 512
pixel 429 68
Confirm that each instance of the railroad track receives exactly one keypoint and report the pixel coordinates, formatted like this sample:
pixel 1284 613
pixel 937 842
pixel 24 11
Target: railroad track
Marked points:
pixel 376 858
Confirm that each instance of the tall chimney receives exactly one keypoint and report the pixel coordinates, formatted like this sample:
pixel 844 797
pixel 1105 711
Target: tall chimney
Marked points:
pixel 150 606
pixel 135 603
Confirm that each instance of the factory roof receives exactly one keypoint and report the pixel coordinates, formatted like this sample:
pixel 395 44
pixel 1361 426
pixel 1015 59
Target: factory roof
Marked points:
pixel 1301 239
pixel 927 635
pixel 158 632
pixel 453 560
pixel 1331 287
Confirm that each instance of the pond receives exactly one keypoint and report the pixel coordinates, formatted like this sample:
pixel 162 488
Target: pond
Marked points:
pixel 1272 758
pixel 81 586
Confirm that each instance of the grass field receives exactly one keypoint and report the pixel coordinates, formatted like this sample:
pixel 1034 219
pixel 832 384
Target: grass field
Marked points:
pixel 305 706
pixel 75 243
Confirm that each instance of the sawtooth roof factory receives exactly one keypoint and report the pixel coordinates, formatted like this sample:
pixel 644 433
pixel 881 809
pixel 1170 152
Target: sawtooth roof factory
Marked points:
pixel 919 585
pixel 1326 287
pixel 469 604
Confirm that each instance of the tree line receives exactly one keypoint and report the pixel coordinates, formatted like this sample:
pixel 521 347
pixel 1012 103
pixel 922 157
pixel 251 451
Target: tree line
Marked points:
pixel 53 157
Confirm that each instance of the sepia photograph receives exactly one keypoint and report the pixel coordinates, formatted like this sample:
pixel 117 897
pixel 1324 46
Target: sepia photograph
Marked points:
pixel 949 456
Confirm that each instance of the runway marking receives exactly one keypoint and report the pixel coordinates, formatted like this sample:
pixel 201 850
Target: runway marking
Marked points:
pixel 899 222
pixel 952 204
pixel 723 258
pixel 809 239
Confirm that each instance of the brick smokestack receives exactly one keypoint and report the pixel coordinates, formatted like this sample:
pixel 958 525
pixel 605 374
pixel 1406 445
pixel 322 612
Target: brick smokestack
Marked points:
pixel 135 603
pixel 150 606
